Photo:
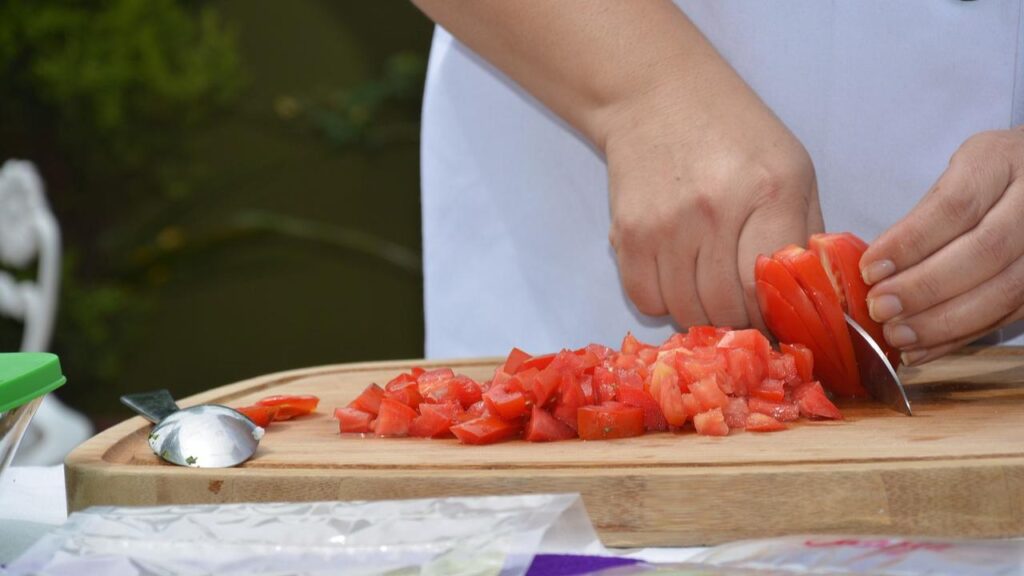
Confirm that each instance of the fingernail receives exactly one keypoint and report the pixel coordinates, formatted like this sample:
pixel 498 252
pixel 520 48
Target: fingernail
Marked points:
pixel 884 307
pixel 900 335
pixel 877 271
pixel 908 358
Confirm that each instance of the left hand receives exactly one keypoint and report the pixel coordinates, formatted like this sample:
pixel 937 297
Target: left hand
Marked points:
pixel 953 268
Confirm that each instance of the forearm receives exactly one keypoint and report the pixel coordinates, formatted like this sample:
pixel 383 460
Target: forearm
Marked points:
pixel 585 58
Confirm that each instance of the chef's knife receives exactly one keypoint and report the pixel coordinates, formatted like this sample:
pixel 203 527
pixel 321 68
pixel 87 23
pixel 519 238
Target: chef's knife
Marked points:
pixel 876 373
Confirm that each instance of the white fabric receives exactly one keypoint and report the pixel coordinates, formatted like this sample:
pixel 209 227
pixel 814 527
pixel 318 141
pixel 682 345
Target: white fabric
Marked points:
pixel 515 207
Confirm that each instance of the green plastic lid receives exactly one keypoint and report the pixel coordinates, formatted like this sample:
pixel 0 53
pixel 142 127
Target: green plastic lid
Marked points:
pixel 25 376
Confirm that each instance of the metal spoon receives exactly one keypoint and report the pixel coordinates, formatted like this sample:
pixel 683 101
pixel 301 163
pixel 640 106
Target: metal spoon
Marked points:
pixel 205 436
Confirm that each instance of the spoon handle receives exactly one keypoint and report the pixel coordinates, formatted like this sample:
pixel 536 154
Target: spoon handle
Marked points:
pixel 153 406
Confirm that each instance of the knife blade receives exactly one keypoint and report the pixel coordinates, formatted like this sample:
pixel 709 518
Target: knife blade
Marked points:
pixel 877 375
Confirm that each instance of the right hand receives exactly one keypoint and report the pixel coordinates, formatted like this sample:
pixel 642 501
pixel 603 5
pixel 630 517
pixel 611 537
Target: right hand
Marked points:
pixel 702 179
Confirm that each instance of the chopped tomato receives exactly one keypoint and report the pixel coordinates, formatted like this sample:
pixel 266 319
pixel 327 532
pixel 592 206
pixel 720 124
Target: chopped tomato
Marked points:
pixel 369 399
pixel 394 418
pixel 630 345
pixel 515 359
pixel 757 422
pixel 570 400
pixel 485 430
pixel 261 415
pixel 803 358
pixel 352 420
pixel 289 407
pixel 783 411
pixel 711 423
pixel 813 403
pixel 538 362
pixel 434 420
pixel 770 389
pixel 506 400
pixel 654 418
pixel 736 413
pixel 708 394
pixel 545 385
pixel 543 427
pixel 610 420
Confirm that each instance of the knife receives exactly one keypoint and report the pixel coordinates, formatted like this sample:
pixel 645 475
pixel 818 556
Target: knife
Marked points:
pixel 876 373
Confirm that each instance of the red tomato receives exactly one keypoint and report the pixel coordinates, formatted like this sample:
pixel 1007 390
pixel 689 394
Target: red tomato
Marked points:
pixel 368 400
pixel 515 359
pixel 757 422
pixel 434 420
pixel 690 405
pixel 394 418
pixel 749 339
pixel 352 420
pixel 261 415
pixel 654 418
pixel 745 368
pixel 506 400
pixel 605 385
pixel 543 427
pixel 289 407
pixel 630 345
pixel 610 420
pixel 485 430
pixel 708 394
pixel 699 336
pixel 538 362
pixel 545 385
pixel 807 269
pixel 840 256
pixel 804 359
pixel 783 411
pixel 813 403
pixel 736 413
pixel 569 402
pixel 770 389
pixel 711 423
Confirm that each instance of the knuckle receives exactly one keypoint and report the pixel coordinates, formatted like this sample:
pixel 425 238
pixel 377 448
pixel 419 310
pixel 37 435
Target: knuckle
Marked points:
pixel 1011 288
pixel 627 231
pixel 927 291
pixel 959 205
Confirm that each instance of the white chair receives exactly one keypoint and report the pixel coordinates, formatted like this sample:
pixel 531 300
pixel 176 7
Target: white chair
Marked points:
pixel 30 233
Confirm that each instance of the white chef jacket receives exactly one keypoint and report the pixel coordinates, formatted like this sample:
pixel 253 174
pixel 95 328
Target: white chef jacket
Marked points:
pixel 515 203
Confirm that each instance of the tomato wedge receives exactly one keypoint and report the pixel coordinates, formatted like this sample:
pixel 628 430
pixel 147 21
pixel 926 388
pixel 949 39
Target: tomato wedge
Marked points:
pixel 289 407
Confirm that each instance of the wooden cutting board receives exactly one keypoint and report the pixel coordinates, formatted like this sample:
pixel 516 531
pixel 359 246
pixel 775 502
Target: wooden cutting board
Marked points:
pixel 954 469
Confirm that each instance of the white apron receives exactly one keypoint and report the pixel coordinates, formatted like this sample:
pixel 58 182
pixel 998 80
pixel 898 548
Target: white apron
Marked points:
pixel 515 205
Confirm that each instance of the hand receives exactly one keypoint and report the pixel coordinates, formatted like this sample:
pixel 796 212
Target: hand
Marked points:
pixel 953 268
pixel 702 179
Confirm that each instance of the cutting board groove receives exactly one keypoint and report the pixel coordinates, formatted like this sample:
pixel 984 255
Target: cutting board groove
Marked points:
pixel 954 469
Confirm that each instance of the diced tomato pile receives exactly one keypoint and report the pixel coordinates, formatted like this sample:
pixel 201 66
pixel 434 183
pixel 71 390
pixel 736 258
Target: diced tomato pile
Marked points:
pixel 278 408
pixel 715 379
pixel 803 295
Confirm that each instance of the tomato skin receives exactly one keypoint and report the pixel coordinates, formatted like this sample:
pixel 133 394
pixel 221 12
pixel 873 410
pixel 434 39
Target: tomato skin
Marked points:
pixel 711 423
pixel 261 415
pixel 610 420
pixel 394 418
pixel 351 420
pixel 369 399
pixel 289 407
pixel 485 430
pixel 543 427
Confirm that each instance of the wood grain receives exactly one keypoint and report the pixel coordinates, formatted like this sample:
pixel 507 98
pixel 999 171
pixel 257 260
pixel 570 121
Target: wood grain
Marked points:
pixel 954 469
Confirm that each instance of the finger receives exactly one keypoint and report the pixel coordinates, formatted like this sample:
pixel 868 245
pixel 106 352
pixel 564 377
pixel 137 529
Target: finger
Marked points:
pixel 966 262
pixel 719 285
pixel 677 267
pixel 963 194
pixel 639 273
pixel 979 310
pixel 764 232
pixel 924 355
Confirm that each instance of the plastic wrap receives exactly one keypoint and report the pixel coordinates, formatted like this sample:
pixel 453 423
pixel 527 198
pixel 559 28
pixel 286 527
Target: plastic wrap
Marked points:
pixel 847 555
pixel 451 536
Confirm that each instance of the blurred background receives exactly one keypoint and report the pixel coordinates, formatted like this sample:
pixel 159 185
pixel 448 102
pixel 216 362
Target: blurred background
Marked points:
pixel 236 182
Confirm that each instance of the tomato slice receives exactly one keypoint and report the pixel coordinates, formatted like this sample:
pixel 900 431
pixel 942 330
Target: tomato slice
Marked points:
pixel 840 256
pixel 543 427
pixel 261 415
pixel 610 420
pixel 807 269
pixel 394 418
pixel 711 423
pixel 803 358
pixel 290 406
pixel 368 400
pixel 485 430
pixel 352 420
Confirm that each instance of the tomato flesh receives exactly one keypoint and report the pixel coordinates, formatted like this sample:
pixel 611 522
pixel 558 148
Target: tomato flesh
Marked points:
pixel 610 420
pixel 289 407
pixel 485 430
pixel 261 415
pixel 352 420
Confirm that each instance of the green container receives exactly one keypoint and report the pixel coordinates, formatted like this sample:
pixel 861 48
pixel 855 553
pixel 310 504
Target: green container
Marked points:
pixel 25 378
